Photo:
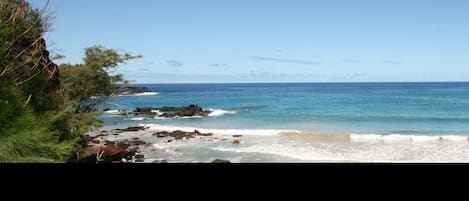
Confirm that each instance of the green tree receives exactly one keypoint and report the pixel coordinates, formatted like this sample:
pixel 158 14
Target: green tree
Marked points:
pixel 39 120
pixel 30 110
pixel 89 84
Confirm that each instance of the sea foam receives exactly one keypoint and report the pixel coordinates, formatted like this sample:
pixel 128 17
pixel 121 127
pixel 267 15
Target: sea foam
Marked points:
pixel 159 127
pixel 360 148
pixel 374 138
pixel 407 138
pixel 112 112
pixel 141 94
pixel 217 113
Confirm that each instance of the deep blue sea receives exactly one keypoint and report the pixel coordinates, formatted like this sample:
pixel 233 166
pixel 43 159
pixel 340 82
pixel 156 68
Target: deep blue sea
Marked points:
pixel 374 108
pixel 307 122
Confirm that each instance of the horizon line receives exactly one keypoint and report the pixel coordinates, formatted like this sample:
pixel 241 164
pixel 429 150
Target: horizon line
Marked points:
pixel 280 82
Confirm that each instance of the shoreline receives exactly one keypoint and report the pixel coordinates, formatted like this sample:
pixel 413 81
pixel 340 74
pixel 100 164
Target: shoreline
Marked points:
pixel 181 144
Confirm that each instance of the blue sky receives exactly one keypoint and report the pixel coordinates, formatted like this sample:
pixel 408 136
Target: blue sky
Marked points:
pixel 271 41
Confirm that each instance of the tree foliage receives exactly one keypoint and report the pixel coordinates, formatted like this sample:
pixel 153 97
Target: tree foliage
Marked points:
pixel 30 129
pixel 39 122
pixel 88 84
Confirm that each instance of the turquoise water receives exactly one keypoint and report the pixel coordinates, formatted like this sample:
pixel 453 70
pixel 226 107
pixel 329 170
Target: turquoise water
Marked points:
pixel 368 108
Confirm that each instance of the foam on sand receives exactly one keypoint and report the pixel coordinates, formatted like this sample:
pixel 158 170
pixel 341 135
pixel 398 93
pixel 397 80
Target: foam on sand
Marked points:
pixel 374 138
pixel 358 148
pixel 407 138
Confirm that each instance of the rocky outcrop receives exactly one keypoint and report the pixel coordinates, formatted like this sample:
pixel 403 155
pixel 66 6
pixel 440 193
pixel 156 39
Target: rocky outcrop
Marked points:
pixel 136 128
pixel 172 112
pixel 103 151
pixel 103 147
pixel 130 90
pixel 98 151
pixel 50 69
pixel 178 135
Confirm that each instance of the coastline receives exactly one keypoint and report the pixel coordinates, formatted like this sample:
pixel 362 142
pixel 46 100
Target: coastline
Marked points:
pixel 301 123
pixel 273 146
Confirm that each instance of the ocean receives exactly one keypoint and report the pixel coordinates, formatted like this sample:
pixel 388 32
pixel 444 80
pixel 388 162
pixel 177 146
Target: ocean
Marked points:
pixel 310 122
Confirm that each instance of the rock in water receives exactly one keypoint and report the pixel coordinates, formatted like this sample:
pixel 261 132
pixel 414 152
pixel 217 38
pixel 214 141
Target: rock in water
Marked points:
pixel 144 109
pixel 131 90
pixel 172 112
pixel 136 128
pixel 178 134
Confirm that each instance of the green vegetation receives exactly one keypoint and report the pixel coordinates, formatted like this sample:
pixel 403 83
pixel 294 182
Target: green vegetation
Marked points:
pixel 29 109
pixel 87 85
pixel 40 120
pixel 91 79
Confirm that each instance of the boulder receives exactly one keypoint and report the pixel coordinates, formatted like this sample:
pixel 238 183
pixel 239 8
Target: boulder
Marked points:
pixel 109 153
pixel 172 112
pixel 129 129
pixel 205 134
pixel 144 109
pixel 179 135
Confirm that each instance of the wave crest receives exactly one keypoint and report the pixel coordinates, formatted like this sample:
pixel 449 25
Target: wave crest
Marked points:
pixel 217 113
pixel 141 94
pixel 373 138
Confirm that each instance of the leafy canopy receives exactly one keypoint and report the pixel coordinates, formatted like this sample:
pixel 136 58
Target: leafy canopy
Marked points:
pixel 87 85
